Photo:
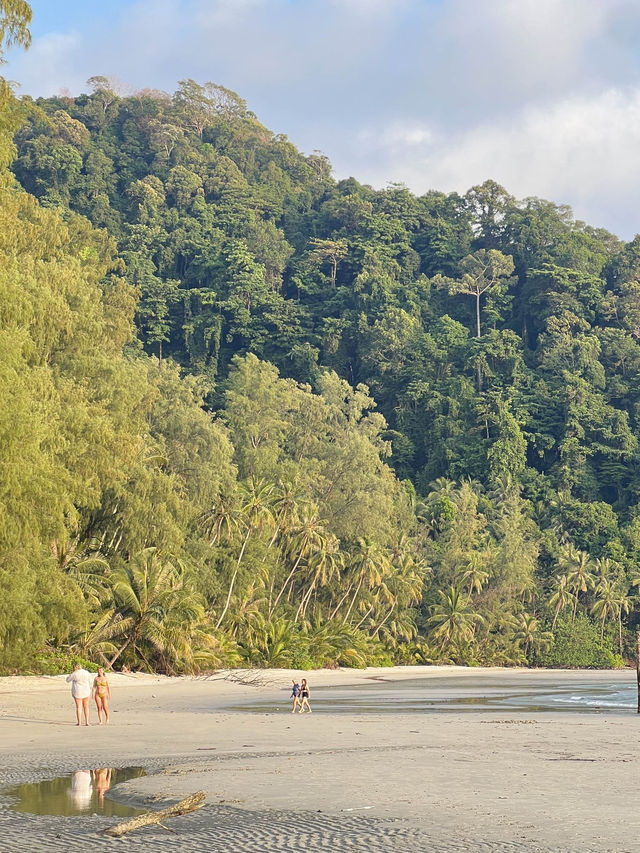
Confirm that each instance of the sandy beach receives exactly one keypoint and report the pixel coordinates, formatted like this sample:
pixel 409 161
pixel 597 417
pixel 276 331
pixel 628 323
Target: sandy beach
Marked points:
pixel 387 781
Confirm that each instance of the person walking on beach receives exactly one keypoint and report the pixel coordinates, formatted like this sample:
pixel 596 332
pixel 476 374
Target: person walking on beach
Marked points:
pixel 304 696
pixel 80 681
pixel 102 695
pixel 295 695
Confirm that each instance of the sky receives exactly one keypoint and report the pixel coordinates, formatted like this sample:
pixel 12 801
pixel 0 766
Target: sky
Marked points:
pixel 542 96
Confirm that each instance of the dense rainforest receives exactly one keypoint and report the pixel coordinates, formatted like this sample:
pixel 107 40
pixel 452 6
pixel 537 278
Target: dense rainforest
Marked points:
pixel 251 415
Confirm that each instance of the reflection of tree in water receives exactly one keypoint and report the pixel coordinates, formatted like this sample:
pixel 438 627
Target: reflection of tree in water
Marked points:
pixel 83 792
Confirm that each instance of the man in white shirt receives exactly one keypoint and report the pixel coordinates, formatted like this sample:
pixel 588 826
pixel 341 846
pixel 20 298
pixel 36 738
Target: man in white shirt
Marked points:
pixel 80 681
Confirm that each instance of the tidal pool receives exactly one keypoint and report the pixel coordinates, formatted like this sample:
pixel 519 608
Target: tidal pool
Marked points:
pixel 83 792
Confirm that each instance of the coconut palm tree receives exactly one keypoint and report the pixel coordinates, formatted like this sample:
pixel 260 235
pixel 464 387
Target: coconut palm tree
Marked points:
pixel 404 588
pixel 625 603
pixel 152 603
pixel 454 618
pixel 561 597
pixel 611 602
pixel 222 520
pixel 528 633
pixel 306 537
pixel 288 499
pixel 268 641
pixel 325 563
pixel 369 564
pixel 87 566
pixel 255 512
pixel 580 577
pixel 605 606
pixel 474 573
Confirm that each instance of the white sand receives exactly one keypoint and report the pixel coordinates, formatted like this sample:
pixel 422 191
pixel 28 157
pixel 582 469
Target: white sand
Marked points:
pixel 438 781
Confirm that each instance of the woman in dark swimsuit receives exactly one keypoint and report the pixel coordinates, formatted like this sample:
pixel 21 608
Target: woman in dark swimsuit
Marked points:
pixel 304 696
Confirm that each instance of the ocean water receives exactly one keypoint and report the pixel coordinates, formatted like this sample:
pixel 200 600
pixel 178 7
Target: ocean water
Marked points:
pixel 585 692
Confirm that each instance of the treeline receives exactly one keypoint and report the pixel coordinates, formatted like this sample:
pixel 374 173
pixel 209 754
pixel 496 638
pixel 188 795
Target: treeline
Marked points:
pixel 254 415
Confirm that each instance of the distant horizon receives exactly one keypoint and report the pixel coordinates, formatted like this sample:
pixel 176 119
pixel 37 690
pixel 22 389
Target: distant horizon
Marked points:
pixel 542 97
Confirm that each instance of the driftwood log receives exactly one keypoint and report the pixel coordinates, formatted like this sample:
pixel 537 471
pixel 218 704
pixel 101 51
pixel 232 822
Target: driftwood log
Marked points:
pixel 190 804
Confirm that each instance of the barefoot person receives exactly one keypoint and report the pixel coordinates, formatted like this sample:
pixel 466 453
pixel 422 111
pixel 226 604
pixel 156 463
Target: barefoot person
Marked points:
pixel 295 695
pixel 304 696
pixel 80 681
pixel 102 695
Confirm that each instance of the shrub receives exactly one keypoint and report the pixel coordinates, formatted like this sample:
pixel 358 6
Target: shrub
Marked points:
pixel 578 646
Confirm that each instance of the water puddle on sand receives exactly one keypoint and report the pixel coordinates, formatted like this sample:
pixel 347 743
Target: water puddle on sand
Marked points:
pixel 84 792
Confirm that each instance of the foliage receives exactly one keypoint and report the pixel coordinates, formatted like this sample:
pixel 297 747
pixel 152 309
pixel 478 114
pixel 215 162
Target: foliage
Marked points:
pixel 578 645
pixel 246 414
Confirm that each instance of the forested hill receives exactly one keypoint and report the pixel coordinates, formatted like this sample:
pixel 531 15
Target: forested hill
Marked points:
pixel 350 425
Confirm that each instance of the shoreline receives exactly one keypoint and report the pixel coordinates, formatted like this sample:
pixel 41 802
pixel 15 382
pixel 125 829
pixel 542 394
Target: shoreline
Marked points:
pixel 480 781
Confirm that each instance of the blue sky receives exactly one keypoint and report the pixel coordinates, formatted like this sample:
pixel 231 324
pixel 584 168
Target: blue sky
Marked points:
pixel 540 95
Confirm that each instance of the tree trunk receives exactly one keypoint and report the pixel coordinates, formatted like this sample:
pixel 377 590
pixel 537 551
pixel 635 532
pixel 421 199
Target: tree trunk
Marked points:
pixel 334 613
pixel 120 650
pixel 620 629
pixel 286 584
pixel 304 601
pixel 353 600
pixel 233 578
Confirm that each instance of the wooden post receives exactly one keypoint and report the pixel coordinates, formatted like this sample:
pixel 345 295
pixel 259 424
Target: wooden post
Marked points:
pixel 638 666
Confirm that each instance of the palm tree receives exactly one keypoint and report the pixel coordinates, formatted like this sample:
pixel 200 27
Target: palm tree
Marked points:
pixel 528 632
pixel 403 587
pixel 268 642
pixel 580 578
pixel 454 618
pixel 150 598
pixel 222 519
pixel 625 603
pixel 307 537
pixel 475 575
pixel 605 606
pixel 561 597
pixel 288 499
pixel 325 563
pixel 369 565
pixel 611 602
pixel 255 512
pixel 86 565
pixel 602 568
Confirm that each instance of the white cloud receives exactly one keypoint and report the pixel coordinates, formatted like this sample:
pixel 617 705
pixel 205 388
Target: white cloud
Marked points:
pixel 581 151
pixel 438 93
pixel 51 64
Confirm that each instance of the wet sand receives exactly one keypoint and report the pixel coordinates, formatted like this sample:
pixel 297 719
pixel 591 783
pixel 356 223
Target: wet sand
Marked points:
pixel 482 781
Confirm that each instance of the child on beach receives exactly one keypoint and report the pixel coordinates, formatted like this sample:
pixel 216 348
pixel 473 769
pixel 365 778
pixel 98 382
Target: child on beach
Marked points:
pixel 295 695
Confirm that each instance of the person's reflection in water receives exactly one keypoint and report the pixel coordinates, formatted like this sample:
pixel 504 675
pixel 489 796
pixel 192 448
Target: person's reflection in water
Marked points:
pixel 102 782
pixel 81 789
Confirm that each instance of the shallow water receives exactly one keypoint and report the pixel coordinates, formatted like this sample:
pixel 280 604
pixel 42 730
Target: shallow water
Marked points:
pixel 588 692
pixel 84 792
